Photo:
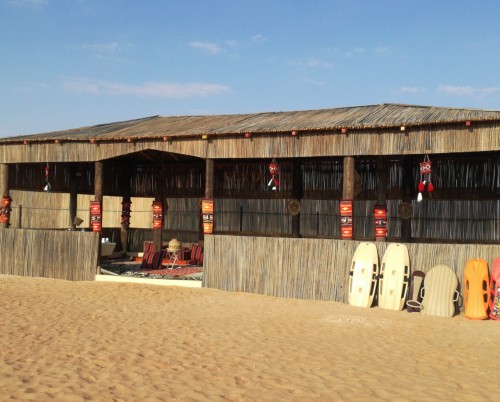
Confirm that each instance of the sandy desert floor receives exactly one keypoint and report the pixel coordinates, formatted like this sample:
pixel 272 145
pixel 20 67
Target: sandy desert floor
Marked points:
pixel 96 341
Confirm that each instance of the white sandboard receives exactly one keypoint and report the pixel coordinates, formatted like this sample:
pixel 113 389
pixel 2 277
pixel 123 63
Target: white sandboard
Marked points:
pixel 363 275
pixel 394 277
pixel 439 293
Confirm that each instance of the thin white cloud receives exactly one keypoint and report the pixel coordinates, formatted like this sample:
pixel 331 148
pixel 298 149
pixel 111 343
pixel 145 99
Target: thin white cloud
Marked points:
pixel 378 51
pixel 355 51
pixel 109 50
pixel 231 42
pixel 259 38
pixel 468 90
pixel 29 3
pixel 209 47
pixel 383 51
pixel 313 82
pixel 147 89
pixel 313 63
pixel 409 90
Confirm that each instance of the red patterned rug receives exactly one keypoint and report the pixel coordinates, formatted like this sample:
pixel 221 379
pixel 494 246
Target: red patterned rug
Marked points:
pixel 174 271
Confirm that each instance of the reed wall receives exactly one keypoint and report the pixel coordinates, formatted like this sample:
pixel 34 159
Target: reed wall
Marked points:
pixel 49 254
pixel 452 138
pixel 316 269
pixel 464 176
pixel 40 210
pixel 433 220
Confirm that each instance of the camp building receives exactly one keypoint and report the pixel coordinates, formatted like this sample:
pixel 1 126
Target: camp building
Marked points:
pixel 278 200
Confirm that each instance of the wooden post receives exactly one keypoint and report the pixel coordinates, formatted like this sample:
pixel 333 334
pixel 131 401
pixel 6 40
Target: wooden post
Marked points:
pixel 73 198
pixel 241 218
pixel 126 173
pixel 408 180
pixel 209 191
pixel 381 189
pixel 20 217
pixel 98 181
pixel 157 239
pixel 209 178
pixel 4 186
pixel 158 232
pixel 297 193
pixel 348 189
pixel 98 196
pixel 349 180
pixel 124 229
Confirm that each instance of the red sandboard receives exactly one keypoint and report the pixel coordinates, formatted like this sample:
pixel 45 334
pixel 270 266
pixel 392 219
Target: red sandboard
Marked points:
pixel 495 290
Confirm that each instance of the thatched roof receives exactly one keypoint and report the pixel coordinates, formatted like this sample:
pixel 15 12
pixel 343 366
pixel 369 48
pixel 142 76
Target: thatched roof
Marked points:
pixel 359 117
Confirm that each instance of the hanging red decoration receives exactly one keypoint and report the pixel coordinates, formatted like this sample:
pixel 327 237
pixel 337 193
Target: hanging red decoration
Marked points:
pixel 5 211
pixel 425 184
pixel 274 170
pixel 96 215
pixel 346 219
pixel 47 186
pixel 125 216
pixel 157 214
pixel 380 216
pixel 207 210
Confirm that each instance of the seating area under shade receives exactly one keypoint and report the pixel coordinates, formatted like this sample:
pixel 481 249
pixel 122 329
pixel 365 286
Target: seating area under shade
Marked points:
pixel 170 256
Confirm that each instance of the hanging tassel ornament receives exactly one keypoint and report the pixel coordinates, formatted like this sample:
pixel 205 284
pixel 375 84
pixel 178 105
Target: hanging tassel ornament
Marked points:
pixel 425 184
pixel 274 170
pixel 47 187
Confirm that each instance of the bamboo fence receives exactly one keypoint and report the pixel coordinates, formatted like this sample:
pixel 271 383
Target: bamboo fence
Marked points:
pixel 49 254
pixel 316 269
pixel 42 210
pixel 433 220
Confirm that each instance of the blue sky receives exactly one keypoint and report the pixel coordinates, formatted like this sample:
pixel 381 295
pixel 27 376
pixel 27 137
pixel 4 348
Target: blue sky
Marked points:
pixel 72 63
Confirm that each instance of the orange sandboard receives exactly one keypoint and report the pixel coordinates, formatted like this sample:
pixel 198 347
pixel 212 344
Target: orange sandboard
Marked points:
pixel 476 289
pixel 494 290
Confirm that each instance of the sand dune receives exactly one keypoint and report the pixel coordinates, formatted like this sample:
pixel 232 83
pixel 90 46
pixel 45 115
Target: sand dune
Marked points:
pixel 79 341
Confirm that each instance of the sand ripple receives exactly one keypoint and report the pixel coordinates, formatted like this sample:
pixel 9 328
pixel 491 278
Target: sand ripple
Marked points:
pixel 80 341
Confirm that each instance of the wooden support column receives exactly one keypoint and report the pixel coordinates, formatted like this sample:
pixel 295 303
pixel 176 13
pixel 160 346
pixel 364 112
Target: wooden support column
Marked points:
pixel 297 193
pixel 209 178
pixel 124 227
pixel 160 196
pixel 408 180
pixel 381 196
pixel 73 197
pixel 349 181
pixel 4 186
pixel 126 174
pixel 98 181
pixel 209 191
pixel 98 195
pixel 348 191
pixel 157 236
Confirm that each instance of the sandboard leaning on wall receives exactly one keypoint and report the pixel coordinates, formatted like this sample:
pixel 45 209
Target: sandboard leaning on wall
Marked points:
pixel 476 289
pixel 394 277
pixel 439 293
pixel 363 275
pixel 495 290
